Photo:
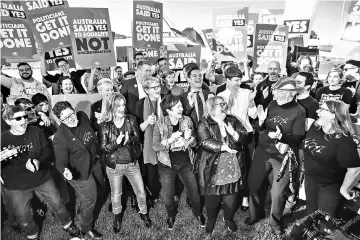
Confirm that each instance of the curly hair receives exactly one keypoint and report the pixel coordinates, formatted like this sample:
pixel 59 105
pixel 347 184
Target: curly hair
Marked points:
pixel 61 106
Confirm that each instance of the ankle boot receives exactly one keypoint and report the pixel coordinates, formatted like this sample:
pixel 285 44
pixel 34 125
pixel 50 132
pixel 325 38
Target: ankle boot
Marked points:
pixel 146 219
pixel 117 222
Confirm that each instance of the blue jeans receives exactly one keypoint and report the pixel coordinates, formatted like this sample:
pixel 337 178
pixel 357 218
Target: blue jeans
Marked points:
pixel 133 174
pixel 18 203
pixel 168 176
pixel 87 192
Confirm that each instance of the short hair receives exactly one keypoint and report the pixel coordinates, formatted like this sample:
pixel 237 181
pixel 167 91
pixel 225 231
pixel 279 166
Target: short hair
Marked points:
pixel 188 68
pixel 62 79
pixel 23 64
pixel 233 72
pixel 168 102
pixel 61 106
pixel 143 62
pixel 10 112
pixel 148 81
pixel 129 73
pixel 302 57
pixel 258 73
pixel 338 70
pixel 22 101
pixel 117 67
pixel 103 81
pixel 110 104
pixel 138 54
pixel 161 59
pixel 166 73
pixel 39 98
pixel 230 64
pixel 309 78
pixel 60 60
pixel 210 106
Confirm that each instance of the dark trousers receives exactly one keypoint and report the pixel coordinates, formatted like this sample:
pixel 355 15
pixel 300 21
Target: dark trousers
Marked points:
pixel 103 188
pixel 261 167
pixel 87 192
pixel 18 203
pixel 153 180
pixel 61 184
pixel 322 196
pixel 168 176
pixel 213 204
pixel 248 153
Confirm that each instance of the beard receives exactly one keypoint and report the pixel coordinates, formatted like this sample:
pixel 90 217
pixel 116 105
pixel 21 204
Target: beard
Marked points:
pixel 26 77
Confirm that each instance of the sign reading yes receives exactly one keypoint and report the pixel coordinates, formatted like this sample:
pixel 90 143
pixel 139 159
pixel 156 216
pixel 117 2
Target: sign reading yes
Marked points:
pixel 298 26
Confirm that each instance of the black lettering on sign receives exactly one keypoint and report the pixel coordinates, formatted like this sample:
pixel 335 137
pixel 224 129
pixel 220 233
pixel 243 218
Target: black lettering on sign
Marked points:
pixel 238 22
pixel 92 43
pixel 250 41
pixel 298 26
pixel 279 38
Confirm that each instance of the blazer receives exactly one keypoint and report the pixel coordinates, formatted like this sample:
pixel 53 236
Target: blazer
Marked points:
pixel 131 93
pixel 95 107
pixel 190 111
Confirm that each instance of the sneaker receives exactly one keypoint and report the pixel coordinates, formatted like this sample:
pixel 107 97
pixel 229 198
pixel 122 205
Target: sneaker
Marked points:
pixel 201 220
pixel 170 222
pixel 231 225
pixel 72 230
pixel 92 234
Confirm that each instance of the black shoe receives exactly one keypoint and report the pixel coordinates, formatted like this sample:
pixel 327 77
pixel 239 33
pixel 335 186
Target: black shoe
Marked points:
pixel 277 230
pixel 201 220
pixel 209 228
pixel 244 208
pixel 72 230
pixel 17 228
pixel 146 219
pixel 93 234
pixel 170 222
pixel 231 225
pixel 250 222
pixel 117 222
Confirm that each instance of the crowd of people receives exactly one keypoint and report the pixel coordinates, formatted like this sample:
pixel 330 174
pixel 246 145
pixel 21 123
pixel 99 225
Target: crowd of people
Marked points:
pixel 151 139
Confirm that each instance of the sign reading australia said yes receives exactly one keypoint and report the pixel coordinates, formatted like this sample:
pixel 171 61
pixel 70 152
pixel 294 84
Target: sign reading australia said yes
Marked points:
pixel 49 23
pixel 91 37
pixel 16 37
pixel 271 42
pixel 147 24
pixel 230 31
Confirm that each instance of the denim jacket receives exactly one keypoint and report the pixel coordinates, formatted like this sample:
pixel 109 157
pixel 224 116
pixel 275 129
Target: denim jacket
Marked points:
pixel 162 132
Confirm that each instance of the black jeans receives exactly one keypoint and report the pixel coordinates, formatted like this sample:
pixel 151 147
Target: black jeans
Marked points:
pixel 322 196
pixel 168 176
pixel 261 167
pixel 213 203
pixel 153 180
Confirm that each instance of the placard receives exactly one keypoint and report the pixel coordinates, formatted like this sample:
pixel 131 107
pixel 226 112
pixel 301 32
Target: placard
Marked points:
pixel 183 55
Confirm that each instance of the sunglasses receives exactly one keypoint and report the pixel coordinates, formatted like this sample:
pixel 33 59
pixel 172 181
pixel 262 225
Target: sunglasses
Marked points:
pixel 29 109
pixel 20 117
pixel 68 117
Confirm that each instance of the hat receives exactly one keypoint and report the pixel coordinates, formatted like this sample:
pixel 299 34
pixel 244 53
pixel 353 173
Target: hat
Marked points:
pixel 353 62
pixel 287 84
pixel 129 73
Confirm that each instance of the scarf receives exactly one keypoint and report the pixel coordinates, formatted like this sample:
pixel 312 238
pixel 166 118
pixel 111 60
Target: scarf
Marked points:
pixel 149 153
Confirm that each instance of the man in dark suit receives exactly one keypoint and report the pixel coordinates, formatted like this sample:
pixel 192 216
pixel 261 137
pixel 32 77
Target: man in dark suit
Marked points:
pixel 132 89
pixel 194 99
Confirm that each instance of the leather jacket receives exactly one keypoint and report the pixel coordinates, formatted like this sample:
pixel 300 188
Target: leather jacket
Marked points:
pixel 109 133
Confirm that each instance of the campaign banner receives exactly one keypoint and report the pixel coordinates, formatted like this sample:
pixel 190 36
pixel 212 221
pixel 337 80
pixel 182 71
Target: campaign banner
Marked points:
pixel 16 37
pixel 297 26
pixel 351 31
pixel 152 55
pixel 50 58
pixel 208 36
pixel 49 23
pixel 180 55
pixel 230 31
pixel 272 16
pixel 147 24
pixel 91 37
pixel 271 43
pixel 253 20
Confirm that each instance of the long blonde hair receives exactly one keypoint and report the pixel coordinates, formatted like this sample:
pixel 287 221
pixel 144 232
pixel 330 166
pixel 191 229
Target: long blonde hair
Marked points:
pixel 111 103
pixel 342 124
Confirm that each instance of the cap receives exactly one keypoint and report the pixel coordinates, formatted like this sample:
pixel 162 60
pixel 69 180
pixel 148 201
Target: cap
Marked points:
pixel 287 84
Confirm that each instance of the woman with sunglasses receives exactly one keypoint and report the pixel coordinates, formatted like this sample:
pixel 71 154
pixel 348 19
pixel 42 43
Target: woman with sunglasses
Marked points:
pixel 282 126
pixel 332 164
pixel 168 84
pixel 120 141
pixel 148 110
pixel 221 137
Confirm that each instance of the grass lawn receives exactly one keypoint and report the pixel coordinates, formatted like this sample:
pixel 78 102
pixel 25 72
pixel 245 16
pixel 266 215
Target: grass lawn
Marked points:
pixel 186 226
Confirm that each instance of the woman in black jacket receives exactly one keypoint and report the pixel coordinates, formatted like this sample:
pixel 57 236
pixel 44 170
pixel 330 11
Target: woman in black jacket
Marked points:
pixel 220 165
pixel 119 139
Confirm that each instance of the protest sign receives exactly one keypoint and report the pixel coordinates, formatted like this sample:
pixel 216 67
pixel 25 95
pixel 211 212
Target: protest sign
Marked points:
pixel 230 31
pixel 17 39
pixel 351 31
pixel 183 55
pixel 49 23
pixel 152 55
pixel 298 30
pixel 253 20
pixel 272 16
pixel 91 37
pixel 147 24
pixel 65 53
pixel 271 42
pixel 208 36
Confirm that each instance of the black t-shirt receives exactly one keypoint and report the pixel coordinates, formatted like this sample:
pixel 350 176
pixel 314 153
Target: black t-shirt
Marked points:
pixel 310 105
pixel 327 160
pixel 342 94
pixel 179 158
pixel 86 134
pixel 13 171
pixel 122 153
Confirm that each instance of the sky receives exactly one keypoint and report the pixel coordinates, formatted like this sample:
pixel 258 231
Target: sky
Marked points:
pixel 198 14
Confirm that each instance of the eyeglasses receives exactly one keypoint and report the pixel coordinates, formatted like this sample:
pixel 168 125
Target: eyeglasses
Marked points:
pixel 63 65
pixel 221 104
pixel 346 69
pixel 25 70
pixel 20 117
pixel 68 117
pixel 155 87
